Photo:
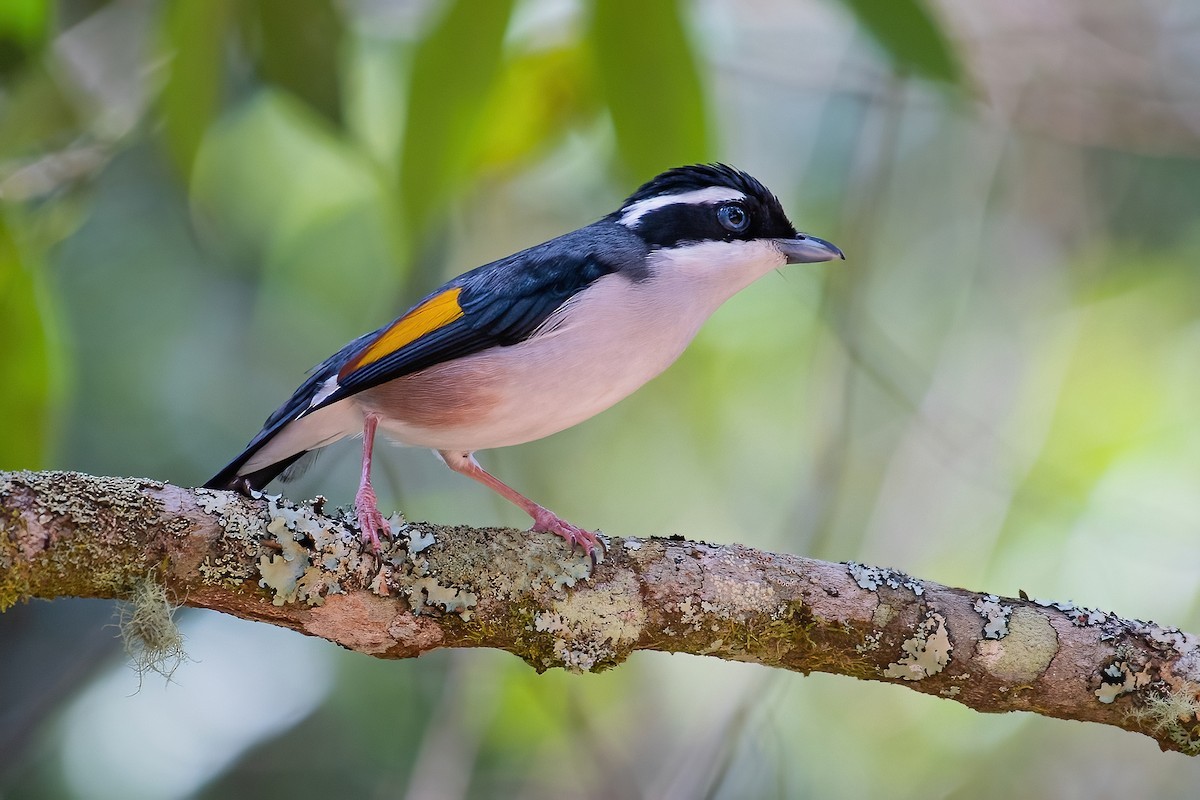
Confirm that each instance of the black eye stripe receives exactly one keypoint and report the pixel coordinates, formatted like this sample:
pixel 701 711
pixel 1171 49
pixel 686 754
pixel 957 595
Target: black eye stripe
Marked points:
pixel 678 223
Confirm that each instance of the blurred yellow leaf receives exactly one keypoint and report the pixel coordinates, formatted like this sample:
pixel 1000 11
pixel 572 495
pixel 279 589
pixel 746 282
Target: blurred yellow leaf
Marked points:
pixel 537 97
pixel 1113 402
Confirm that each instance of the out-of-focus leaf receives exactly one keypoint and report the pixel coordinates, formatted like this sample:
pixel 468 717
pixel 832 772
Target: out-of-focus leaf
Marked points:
pixel 297 43
pixel 23 25
pixel 453 71
pixel 1113 403
pixel 37 115
pixel 191 98
pixel 910 35
pixel 648 74
pixel 25 20
pixel 24 361
pixel 247 185
pixel 533 104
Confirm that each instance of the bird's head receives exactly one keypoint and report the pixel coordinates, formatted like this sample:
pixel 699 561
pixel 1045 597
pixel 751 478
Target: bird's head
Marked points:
pixel 716 221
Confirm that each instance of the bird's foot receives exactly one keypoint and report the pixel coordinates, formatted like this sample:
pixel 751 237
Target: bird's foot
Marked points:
pixel 370 521
pixel 547 521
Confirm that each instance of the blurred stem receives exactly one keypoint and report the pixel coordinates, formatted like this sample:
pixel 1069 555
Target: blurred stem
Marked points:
pixel 435 586
pixel 843 303
pixel 449 748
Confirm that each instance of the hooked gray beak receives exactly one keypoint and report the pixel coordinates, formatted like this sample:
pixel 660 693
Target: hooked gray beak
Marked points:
pixel 806 249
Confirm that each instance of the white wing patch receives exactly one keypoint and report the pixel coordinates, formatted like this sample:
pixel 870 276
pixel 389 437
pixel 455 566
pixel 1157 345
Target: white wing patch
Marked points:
pixel 327 388
pixel 711 194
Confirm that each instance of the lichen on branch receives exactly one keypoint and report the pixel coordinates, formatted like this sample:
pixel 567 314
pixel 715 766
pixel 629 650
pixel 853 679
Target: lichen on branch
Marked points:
pixel 302 566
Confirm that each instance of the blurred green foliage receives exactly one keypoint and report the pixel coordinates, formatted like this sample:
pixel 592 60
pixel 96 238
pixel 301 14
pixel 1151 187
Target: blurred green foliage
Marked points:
pixel 910 36
pixel 453 70
pixel 27 356
pixel 199 199
pixel 195 36
pixel 644 45
pixel 23 28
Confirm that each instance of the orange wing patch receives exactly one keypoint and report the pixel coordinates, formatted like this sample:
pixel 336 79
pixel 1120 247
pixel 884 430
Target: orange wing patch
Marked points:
pixel 434 313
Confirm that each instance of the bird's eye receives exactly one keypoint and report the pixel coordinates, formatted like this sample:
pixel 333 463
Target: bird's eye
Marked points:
pixel 733 218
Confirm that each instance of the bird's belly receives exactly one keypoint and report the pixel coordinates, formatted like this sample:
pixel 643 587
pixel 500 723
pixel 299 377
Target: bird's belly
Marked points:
pixel 515 394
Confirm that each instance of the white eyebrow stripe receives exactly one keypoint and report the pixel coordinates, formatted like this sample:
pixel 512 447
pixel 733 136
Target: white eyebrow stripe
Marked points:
pixel 711 194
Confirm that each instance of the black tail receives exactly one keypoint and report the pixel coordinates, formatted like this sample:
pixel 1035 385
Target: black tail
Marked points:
pixel 228 478
pixel 299 404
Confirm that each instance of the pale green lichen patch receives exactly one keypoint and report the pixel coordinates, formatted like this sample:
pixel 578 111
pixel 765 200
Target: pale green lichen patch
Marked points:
pixel 593 629
pixel 281 575
pixel 418 540
pixel 871 578
pixel 925 653
pixel 75 535
pixel 241 524
pixel 690 613
pixel 1121 677
pixel 280 570
pixel 549 569
pixel 736 598
pixel 1080 617
pixel 233 514
pixel 883 614
pixel 1164 639
pixel 426 592
pixel 314 557
pixel 225 570
pixel 87 500
pixel 305 556
pixel 869 643
pixel 1023 655
pixel 995 616
pixel 542 566
pixel 439 581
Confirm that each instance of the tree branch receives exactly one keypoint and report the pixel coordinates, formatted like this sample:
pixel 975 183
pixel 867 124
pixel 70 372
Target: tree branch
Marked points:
pixel 437 586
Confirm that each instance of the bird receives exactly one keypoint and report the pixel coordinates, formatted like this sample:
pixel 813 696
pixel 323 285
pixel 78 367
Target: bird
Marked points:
pixel 539 341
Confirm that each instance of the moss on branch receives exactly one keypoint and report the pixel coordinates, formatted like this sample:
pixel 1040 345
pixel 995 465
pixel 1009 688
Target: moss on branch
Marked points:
pixel 303 567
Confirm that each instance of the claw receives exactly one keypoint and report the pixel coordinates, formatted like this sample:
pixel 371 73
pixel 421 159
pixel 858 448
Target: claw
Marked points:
pixel 590 543
pixel 370 522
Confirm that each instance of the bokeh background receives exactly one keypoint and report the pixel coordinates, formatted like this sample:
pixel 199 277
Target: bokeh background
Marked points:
pixel 999 389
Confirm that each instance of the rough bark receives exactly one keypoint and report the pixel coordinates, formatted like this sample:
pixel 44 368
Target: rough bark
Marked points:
pixel 298 566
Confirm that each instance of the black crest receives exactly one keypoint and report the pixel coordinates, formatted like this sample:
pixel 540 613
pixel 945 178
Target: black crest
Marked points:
pixel 701 176
pixel 677 224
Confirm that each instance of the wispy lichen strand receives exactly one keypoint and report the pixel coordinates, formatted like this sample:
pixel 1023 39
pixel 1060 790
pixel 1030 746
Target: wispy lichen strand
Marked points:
pixel 300 566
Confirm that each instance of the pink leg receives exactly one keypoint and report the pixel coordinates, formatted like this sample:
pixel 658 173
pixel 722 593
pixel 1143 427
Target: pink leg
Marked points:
pixel 543 518
pixel 366 505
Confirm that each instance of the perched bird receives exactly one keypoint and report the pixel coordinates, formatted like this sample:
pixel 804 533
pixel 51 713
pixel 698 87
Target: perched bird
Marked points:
pixel 539 341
